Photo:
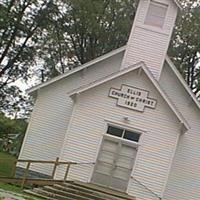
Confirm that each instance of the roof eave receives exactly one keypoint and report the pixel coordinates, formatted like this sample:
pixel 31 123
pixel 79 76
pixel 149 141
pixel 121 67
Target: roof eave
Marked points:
pixel 88 64
pixel 180 78
pixel 173 108
pixel 105 79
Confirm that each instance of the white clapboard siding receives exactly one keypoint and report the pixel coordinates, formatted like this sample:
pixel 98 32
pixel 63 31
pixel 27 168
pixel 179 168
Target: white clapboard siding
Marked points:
pixel 157 145
pixel 149 43
pixel 184 179
pixel 52 112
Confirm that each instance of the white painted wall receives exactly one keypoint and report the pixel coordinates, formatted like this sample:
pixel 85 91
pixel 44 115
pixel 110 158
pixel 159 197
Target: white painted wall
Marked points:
pixel 149 43
pixel 157 144
pixel 184 179
pixel 52 112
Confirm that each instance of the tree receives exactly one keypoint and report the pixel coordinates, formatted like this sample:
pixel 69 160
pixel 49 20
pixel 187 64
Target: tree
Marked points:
pixel 57 35
pixel 185 45
pixel 21 24
pixel 9 128
pixel 79 31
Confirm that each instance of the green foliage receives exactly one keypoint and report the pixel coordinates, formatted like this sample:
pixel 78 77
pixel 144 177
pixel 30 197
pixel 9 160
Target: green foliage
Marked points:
pixel 185 45
pixel 11 126
pixel 55 36
pixel 14 103
pixel 11 188
pixel 21 24
pixel 79 31
pixel 11 134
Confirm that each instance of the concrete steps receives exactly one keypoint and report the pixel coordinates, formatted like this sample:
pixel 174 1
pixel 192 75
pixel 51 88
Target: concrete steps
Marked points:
pixel 78 191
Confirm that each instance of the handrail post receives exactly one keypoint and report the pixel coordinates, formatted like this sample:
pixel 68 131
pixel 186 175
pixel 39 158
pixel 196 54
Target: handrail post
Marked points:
pixel 67 171
pixel 25 174
pixel 55 166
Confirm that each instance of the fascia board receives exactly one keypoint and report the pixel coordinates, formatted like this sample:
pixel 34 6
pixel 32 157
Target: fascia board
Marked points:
pixel 105 79
pixel 165 97
pixel 88 64
pixel 182 81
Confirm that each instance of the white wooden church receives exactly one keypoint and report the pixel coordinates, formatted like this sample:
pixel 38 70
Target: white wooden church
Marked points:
pixel 128 115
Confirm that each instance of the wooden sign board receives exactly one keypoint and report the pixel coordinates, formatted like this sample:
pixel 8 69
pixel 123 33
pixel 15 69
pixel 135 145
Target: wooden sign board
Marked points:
pixel 132 98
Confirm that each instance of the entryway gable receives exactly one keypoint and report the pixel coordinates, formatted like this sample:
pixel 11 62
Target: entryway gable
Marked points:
pixel 142 66
pixel 160 130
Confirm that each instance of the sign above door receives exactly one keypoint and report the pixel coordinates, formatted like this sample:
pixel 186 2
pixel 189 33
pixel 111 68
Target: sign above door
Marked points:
pixel 132 98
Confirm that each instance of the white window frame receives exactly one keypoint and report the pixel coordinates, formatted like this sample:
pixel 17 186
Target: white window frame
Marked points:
pixel 159 4
pixel 122 137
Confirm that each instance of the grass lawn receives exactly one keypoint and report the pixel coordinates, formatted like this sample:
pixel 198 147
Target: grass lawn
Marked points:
pixel 6 164
pixel 11 188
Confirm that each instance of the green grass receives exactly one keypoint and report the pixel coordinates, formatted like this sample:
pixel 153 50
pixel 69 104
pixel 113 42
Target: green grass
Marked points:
pixel 11 188
pixel 6 164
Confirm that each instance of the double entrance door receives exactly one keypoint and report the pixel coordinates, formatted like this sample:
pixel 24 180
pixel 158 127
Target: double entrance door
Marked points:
pixel 114 163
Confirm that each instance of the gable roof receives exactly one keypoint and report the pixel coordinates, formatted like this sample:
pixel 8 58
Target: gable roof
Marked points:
pixel 151 78
pixel 181 79
pixel 77 69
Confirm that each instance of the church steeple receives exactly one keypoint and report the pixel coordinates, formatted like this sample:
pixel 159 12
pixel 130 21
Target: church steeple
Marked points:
pixel 151 33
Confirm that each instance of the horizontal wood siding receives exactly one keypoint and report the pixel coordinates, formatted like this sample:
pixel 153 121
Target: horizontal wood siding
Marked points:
pixel 52 112
pixel 157 144
pixel 184 179
pixel 147 49
pixel 148 43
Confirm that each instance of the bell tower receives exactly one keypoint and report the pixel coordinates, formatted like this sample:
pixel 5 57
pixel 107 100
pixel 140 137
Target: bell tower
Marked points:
pixel 151 33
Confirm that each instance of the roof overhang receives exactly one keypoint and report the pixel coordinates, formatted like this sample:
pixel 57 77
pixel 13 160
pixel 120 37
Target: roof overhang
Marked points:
pixel 105 79
pixel 181 79
pixel 86 65
pixel 140 65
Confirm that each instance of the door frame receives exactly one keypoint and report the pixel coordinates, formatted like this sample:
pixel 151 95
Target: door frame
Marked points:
pixel 135 144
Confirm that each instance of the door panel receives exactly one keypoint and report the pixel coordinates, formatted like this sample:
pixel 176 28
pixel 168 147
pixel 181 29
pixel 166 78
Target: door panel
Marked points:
pixel 114 164
pixel 107 157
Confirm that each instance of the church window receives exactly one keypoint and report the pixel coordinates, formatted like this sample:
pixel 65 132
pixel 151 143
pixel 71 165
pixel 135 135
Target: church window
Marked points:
pixel 156 14
pixel 129 135
pixel 115 131
pixel 123 133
